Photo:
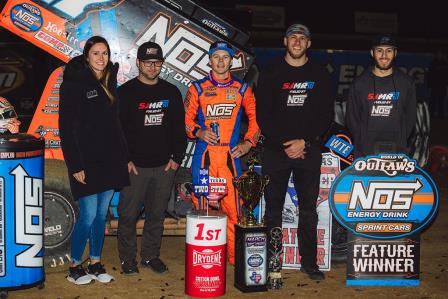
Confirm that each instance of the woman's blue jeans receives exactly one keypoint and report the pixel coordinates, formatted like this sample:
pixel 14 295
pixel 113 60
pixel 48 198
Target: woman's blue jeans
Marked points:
pixel 90 225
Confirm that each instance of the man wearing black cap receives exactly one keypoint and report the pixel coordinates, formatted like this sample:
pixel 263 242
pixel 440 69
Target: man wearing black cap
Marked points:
pixel 381 107
pixel 151 113
pixel 294 109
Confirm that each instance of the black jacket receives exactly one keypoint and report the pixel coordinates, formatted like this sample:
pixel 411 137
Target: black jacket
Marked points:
pixel 381 112
pixel 91 135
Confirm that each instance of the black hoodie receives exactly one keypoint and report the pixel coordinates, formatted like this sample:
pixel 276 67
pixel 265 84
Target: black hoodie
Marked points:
pixel 381 112
pixel 91 136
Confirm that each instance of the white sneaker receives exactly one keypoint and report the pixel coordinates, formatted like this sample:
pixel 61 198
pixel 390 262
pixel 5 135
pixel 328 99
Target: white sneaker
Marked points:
pixel 78 275
pixel 96 271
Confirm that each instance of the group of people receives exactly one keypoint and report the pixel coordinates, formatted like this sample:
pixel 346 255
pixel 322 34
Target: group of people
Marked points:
pixel 132 138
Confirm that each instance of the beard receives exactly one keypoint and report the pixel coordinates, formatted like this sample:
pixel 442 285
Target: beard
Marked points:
pixel 296 55
pixel 384 67
pixel 147 76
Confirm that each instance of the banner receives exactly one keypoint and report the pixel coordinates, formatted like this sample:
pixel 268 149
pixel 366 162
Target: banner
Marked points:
pixel 62 27
pixel 384 197
pixel 384 201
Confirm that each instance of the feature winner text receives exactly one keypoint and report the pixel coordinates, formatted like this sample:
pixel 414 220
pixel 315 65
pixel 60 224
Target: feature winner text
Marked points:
pixel 384 258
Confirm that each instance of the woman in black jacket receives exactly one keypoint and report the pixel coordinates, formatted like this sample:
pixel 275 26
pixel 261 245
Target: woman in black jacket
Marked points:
pixel 94 150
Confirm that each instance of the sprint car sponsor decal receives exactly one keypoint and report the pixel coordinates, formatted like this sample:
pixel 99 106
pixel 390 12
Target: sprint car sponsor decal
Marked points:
pixel 26 17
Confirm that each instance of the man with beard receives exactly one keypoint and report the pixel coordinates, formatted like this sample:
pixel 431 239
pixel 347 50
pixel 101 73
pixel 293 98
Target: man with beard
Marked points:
pixel 381 108
pixel 295 107
pixel 152 114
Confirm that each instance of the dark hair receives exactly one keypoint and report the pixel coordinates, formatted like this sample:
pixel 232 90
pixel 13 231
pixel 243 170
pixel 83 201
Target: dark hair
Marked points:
pixel 106 76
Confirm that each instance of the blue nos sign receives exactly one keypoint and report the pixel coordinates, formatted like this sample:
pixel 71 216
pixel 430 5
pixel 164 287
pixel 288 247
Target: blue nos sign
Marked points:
pixel 384 197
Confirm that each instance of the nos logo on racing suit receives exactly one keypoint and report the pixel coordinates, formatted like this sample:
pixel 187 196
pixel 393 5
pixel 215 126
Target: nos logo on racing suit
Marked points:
pixel 220 110
pixel 384 197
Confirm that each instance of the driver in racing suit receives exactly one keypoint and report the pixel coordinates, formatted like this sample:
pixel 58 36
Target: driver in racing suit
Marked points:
pixel 220 98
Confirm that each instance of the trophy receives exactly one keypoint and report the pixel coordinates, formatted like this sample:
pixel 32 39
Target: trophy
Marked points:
pixel 275 260
pixel 250 186
pixel 250 237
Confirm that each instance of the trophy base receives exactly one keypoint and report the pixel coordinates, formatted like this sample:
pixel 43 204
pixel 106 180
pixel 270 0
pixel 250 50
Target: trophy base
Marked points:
pixel 251 258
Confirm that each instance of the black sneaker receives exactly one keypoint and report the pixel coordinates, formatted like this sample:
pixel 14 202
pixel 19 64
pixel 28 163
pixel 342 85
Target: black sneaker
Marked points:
pixel 155 264
pixel 129 267
pixel 96 271
pixel 78 275
pixel 313 273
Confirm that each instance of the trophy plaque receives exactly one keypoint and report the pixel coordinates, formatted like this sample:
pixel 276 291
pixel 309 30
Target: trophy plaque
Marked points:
pixel 250 237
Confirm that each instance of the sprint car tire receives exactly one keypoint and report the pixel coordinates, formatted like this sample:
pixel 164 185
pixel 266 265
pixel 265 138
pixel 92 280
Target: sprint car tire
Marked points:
pixel 61 212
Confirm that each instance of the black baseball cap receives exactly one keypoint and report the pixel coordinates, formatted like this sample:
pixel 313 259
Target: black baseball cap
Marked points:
pixel 384 40
pixel 149 50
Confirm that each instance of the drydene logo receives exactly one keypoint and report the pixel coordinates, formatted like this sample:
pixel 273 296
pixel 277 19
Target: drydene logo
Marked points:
pixel 207 258
pixel 384 197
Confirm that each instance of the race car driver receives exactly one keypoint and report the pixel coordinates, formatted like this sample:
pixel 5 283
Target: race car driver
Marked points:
pixel 219 99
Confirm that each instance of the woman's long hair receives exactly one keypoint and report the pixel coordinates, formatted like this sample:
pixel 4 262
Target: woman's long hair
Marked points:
pixel 106 74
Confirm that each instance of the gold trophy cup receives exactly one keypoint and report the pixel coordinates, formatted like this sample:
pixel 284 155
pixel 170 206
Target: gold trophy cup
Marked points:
pixel 250 186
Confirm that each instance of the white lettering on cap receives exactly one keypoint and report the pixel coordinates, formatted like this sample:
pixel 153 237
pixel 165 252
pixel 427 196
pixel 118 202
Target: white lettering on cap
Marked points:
pixel 150 51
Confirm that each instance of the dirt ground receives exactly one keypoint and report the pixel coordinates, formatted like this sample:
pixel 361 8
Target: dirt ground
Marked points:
pixel 433 265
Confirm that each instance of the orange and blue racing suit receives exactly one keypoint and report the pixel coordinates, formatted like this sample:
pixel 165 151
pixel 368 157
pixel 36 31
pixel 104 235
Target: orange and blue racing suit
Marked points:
pixel 208 101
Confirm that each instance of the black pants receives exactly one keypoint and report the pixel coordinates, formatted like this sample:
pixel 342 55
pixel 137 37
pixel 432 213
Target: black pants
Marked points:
pixel 306 177
pixel 150 188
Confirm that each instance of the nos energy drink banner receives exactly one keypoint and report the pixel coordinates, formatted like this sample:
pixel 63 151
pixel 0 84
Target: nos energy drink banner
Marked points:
pixel 384 201
pixel 21 211
pixel 62 27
